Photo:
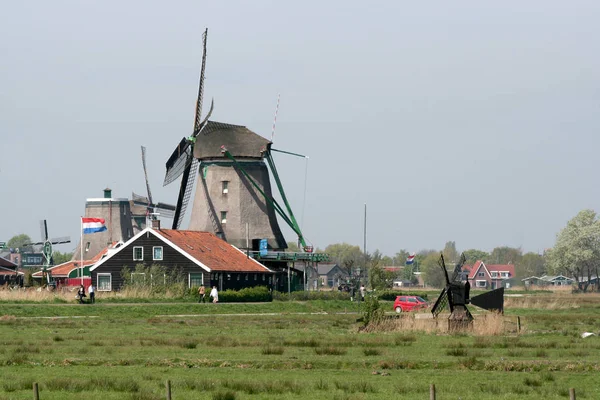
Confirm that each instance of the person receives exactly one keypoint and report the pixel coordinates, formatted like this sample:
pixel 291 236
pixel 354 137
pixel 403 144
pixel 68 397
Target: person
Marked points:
pixel 362 292
pixel 214 294
pixel 92 292
pixel 81 294
pixel 201 292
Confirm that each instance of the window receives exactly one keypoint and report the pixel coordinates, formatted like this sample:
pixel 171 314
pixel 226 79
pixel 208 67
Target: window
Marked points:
pixel 223 217
pixel 238 277
pixel 196 279
pixel 157 253
pixel 504 274
pixel 104 282
pixel 225 185
pixel 481 283
pixel 138 278
pixel 263 278
pixel 138 253
pixel 481 274
pixel 246 276
pixel 255 277
pixel 494 274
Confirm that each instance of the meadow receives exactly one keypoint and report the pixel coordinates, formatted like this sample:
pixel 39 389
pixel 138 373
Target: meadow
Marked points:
pixel 294 350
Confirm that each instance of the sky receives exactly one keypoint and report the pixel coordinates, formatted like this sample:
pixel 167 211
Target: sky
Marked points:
pixel 467 121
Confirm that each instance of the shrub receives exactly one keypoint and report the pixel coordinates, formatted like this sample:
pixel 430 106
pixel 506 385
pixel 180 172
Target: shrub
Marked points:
pixel 311 295
pixel 256 294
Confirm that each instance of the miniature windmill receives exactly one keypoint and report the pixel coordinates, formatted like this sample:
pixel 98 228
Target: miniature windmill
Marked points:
pixel 456 296
pixel 233 196
pixel 152 209
pixel 47 250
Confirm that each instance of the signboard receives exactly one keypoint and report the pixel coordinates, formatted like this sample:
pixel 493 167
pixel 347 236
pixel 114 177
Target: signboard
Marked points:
pixel 263 247
pixel 32 259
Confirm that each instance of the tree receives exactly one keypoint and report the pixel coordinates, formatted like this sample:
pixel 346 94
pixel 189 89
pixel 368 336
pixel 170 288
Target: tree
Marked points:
pixel 505 255
pixel 293 247
pixel 431 271
pixel 60 258
pixel 379 278
pixel 450 253
pixel 577 249
pixel 473 255
pixel 19 241
pixel 400 257
pixel 531 264
pixel 345 255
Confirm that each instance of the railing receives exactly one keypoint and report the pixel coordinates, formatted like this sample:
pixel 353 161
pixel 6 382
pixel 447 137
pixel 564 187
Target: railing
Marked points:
pixel 288 256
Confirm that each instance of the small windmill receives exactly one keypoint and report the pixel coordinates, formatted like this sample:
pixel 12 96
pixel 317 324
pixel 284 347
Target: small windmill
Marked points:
pixel 456 296
pixel 47 250
pixel 152 209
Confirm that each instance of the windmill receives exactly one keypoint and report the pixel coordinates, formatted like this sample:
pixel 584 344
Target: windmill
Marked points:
pixel 48 251
pixel 233 196
pixel 152 210
pixel 456 296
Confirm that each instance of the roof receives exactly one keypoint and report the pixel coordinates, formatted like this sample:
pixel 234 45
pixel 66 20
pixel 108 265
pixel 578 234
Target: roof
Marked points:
pixel 7 263
pixel 8 271
pixel 203 248
pixel 489 268
pixel 240 141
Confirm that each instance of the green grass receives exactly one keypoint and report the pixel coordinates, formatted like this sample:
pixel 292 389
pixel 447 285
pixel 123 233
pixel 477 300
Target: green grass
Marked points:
pixel 281 350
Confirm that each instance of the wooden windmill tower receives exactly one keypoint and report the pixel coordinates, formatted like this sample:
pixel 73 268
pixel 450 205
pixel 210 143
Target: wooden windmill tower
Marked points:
pixel 233 197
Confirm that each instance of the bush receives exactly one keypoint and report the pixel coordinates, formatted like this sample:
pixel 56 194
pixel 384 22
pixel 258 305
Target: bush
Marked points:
pixel 258 294
pixel 391 295
pixel 311 295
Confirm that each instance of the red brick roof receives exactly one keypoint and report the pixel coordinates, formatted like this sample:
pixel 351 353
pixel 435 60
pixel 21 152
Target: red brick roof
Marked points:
pixel 208 249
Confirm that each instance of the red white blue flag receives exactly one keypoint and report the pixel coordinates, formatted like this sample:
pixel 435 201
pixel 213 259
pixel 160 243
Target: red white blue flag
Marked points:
pixel 410 259
pixel 93 225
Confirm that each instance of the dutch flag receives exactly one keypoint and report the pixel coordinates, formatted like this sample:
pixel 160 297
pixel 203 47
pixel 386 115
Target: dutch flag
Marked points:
pixel 410 259
pixel 93 225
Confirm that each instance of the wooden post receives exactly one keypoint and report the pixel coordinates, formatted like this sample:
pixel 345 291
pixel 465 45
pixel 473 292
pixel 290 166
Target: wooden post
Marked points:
pixel 518 324
pixel 432 392
pixel 36 393
pixel 168 389
pixel 571 394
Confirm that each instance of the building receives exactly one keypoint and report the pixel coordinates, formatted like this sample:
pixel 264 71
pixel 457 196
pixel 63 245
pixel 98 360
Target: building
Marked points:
pixel 548 280
pixel 201 257
pixel 9 274
pixel 489 276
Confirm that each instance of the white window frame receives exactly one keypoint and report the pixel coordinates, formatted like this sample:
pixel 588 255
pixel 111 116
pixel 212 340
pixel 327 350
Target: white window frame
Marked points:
pixel 138 247
pixel 481 274
pixel 98 275
pixel 190 278
pixel 504 274
pixel 161 253
pixel 494 274
pixel 478 283
pixel 225 187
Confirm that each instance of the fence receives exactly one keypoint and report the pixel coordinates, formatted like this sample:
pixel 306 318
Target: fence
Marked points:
pixel 432 392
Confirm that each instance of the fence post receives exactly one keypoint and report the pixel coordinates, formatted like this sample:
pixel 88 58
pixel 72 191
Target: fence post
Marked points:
pixel 432 392
pixel 168 389
pixel 36 393
pixel 572 394
pixel 518 324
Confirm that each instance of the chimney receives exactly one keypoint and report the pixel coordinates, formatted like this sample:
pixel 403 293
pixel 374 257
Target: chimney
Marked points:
pixel 156 224
pixel 107 193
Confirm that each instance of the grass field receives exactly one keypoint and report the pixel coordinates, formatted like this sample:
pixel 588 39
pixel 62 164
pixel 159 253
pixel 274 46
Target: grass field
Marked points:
pixel 291 350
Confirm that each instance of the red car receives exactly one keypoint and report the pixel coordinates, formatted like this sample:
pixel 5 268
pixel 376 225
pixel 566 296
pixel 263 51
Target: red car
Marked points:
pixel 409 303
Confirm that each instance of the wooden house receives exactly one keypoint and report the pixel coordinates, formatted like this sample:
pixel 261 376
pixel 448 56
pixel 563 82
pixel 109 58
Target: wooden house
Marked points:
pixel 201 257
pixel 489 276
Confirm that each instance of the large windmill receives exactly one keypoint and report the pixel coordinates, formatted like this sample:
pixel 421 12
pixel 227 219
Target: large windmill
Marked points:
pixel 456 296
pixel 48 251
pixel 233 196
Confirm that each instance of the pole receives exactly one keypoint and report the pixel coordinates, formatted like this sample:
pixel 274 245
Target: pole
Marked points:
pixel 81 247
pixel 36 393
pixel 432 392
pixel 168 385
pixel 247 241
pixel 572 394
pixel 365 232
pixel 289 283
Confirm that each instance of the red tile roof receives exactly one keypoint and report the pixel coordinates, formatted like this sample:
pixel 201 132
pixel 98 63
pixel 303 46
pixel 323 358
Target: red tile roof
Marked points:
pixel 63 270
pixel 208 249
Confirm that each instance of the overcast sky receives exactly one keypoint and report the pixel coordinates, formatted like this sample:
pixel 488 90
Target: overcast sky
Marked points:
pixel 470 121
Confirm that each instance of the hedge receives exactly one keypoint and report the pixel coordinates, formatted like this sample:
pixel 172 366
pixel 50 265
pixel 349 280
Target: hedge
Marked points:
pixel 258 294
pixel 311 295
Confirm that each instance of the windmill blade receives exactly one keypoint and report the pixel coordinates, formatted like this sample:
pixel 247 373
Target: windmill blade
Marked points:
pixel 139 200
pixel 146 175
pixel 185 192
pixel 440 303
pixel 442 264
pixel 61 240
pixel 44 230
pixel 205 120
pixel 492 300
pixel 165 213
pixel 458 267
pixel 178 161
pixel 198 119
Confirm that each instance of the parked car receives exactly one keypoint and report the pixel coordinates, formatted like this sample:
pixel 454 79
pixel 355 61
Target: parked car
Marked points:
pixel 409 303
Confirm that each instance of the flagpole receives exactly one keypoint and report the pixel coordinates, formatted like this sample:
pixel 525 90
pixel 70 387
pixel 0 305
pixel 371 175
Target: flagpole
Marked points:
pixel 81 246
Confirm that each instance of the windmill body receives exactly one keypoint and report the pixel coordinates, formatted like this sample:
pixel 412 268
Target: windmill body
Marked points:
pixel 226 202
